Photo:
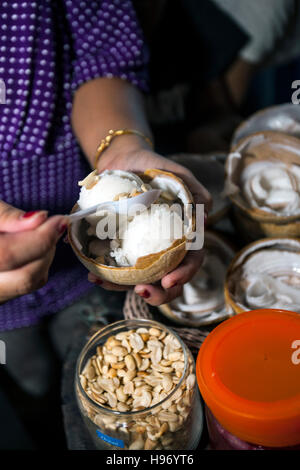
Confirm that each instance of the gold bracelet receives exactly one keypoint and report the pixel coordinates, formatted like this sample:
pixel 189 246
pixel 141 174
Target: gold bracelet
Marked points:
pixel 111 134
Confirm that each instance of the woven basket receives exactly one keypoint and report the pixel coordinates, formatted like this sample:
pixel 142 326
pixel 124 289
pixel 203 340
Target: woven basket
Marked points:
pixel 136 307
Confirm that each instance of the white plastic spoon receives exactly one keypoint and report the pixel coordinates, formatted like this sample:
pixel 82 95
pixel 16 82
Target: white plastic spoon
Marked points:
pixel 122 206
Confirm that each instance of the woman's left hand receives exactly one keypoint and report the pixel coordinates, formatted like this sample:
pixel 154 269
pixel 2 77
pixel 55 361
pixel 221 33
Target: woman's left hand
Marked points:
pixel 136 161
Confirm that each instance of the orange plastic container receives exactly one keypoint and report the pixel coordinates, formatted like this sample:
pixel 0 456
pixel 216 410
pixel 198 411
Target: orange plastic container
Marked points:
pixel 248 372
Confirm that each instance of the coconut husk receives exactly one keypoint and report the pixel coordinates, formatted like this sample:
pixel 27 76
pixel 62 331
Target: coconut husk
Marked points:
pixel 280 118
pixel 255 222
pixel 234 271
pixel 148 269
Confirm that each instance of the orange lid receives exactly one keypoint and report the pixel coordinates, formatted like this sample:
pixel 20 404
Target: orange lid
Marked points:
pixel 248 372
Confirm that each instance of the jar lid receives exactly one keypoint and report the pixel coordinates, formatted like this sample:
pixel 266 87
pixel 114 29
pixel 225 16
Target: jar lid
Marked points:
pixel 248 372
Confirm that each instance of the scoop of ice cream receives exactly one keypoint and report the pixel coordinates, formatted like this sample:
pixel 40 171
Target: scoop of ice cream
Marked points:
pixel 108 186
pixel 151 231
pixel 272 186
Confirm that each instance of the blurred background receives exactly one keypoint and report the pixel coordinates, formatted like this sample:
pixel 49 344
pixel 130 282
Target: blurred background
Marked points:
pixel 212 63
pixel 215 62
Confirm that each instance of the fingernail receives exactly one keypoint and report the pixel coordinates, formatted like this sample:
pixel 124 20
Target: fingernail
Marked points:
pixel 98 282
pixel 61 228
pixel 145 294
pixel 29 214
pixel 173 285
pixel 205 218
pixel 95 280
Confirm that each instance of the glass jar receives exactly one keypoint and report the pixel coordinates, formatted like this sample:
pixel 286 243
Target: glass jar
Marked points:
pixel 175 422
pixel 248 372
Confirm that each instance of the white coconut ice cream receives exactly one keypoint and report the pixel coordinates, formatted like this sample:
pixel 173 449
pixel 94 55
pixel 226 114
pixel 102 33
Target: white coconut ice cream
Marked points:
pixel 151 231
pixel 107 187
pixel 272 186
pixel 153 241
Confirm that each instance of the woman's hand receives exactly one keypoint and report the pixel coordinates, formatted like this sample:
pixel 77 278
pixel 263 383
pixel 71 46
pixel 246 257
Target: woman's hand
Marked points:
pixel 112 103
pixel 27 247
pixel 138 160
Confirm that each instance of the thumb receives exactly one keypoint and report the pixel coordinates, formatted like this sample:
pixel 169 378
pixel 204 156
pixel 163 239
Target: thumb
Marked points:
pixel 16 220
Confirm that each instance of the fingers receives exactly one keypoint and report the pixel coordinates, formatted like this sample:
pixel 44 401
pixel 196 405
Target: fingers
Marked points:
pixel 148 159
pixel 15 220
pixel 107 285
pixel 18 249
pixel 156 295
pixel 197 189
pixel 185 271
pixel 171 284
pixel 199 192
pixel 27 279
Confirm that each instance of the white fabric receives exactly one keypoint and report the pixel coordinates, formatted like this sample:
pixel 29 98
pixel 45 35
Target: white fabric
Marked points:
pixel 273 27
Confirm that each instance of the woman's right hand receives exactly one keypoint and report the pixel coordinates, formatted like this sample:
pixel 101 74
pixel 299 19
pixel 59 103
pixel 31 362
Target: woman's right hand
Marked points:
pixel 27 247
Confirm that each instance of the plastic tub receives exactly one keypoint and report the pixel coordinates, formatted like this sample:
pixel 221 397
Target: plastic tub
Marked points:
pixel 248 372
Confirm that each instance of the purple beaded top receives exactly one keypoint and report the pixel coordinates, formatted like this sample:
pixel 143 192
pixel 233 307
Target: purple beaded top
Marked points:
pixel 47 49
